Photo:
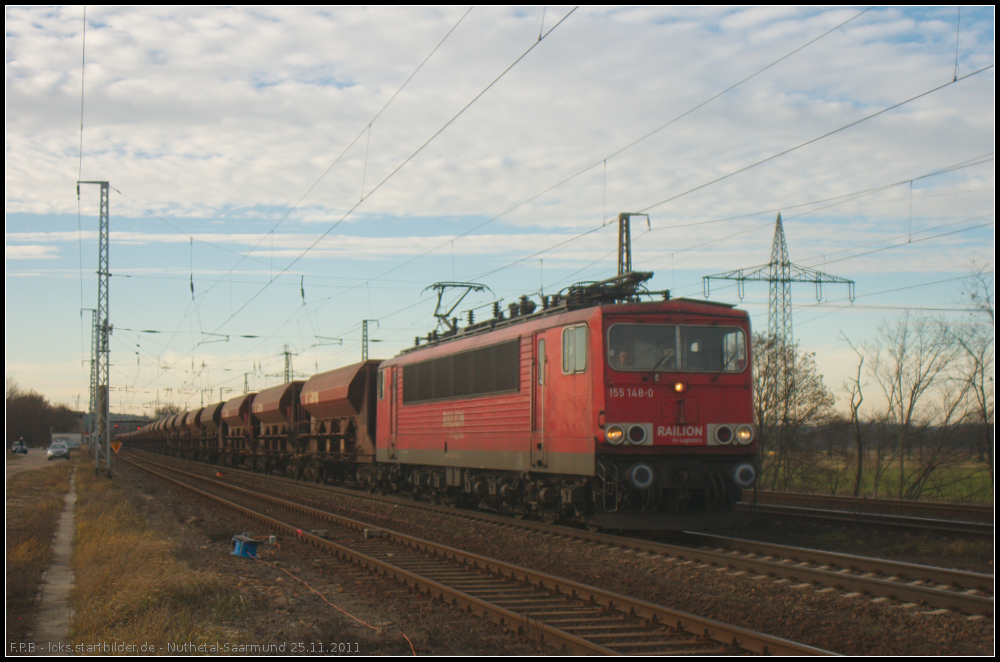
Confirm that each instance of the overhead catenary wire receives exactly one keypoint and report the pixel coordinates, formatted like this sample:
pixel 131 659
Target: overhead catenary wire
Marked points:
pixel 348 350
pixel 690 190
pixel 79 176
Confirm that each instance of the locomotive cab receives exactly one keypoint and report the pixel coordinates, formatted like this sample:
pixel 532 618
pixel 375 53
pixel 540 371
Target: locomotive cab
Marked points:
pixel 676 441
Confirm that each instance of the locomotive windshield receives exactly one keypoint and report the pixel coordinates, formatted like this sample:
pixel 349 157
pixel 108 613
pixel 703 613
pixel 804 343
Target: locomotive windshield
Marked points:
pixel 672 348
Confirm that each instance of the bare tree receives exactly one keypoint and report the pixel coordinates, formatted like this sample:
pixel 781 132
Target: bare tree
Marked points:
pixel 163 411
pixel 977 339
pixel 910 362
pixel 787 411
pixel 859 430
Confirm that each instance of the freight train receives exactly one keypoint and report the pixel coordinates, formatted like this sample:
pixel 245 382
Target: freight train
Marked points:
pixel 594 406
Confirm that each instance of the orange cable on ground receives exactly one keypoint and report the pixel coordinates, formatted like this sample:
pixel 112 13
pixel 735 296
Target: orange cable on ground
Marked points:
pixel 323 598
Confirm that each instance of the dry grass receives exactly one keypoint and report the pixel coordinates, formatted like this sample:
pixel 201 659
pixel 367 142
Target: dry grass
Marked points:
pixel 131 586
pixel 34 503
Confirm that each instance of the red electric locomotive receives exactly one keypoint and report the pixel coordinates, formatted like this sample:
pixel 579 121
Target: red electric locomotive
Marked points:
pixel 597 408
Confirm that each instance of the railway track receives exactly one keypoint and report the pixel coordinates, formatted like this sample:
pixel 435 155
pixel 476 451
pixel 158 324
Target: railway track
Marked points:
pixel 880 579
pixel 568 615
pixel 945 526
pixel 899 507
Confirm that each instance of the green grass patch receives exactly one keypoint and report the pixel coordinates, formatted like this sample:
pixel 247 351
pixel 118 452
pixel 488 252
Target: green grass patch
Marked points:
pixel 34 503
pixel 132 584
pixel 966 483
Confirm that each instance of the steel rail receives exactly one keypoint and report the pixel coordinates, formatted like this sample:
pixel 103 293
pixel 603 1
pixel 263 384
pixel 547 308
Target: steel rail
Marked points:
pixel 709 636
pixel 865 564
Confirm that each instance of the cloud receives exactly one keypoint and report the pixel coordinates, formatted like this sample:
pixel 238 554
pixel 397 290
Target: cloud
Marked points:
pixel 31 252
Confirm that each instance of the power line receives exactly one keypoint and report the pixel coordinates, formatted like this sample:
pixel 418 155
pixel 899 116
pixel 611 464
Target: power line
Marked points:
pixel 346 149
pixel 847 197
pixel 903 245
pixel 809 142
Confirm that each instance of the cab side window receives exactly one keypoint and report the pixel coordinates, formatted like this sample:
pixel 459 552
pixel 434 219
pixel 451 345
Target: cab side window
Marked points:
pixel 574 350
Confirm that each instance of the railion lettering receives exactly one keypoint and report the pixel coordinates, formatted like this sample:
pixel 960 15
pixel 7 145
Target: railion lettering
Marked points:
pixel 680 431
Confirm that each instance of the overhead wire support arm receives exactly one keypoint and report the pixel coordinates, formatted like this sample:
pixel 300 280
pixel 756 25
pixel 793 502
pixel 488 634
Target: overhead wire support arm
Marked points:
pixel 221 337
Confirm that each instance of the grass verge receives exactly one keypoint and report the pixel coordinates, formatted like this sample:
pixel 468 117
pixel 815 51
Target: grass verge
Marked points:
pixel 34 503
pixel 133 584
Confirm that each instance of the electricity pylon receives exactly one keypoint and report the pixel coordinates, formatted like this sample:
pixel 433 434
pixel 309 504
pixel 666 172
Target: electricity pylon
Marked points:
pixel 780 273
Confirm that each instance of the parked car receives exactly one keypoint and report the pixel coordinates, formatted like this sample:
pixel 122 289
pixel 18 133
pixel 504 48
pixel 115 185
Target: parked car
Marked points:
pixel 58 449
pixel 19 447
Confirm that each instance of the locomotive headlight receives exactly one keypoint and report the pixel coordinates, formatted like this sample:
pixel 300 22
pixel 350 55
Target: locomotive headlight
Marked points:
pixel 614 434
pixel 637 434
pixel 723 434
pixel 680 387
pixel 744 434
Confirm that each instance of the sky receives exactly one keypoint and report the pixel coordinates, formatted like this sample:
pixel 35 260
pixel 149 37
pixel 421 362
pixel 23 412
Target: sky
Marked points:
pixel 278 175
